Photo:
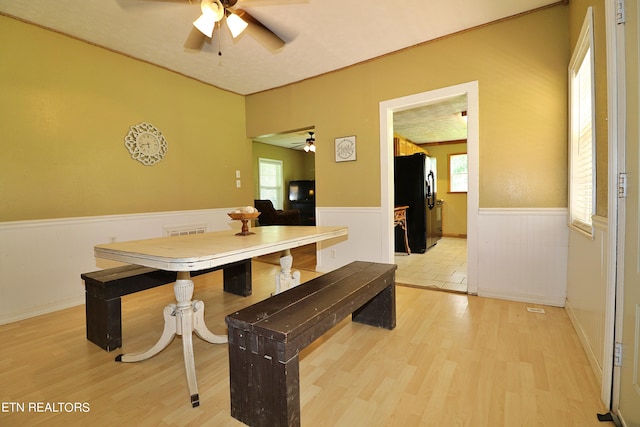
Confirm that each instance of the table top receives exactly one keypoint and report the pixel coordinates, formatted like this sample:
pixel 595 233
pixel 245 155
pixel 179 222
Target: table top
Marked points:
pixel 199 251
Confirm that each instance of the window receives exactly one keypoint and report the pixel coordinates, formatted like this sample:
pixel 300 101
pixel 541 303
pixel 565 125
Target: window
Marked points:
pixel 458 173
pixel 271 181
pixel 581 130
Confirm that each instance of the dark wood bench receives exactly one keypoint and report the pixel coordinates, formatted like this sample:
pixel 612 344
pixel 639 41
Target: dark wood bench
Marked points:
pixel 103 289
pixel 265 339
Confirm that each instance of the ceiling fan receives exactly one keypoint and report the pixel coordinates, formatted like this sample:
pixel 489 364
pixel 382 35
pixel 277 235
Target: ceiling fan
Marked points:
pixel 308 145
pixel 236 19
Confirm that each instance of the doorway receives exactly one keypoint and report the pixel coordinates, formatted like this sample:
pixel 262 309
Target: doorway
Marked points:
pixel 439 132
pixel 387 109
pixel 290 149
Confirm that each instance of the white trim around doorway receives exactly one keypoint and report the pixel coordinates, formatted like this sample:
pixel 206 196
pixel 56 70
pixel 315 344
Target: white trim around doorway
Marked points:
pixel 387 108
pixel 616 100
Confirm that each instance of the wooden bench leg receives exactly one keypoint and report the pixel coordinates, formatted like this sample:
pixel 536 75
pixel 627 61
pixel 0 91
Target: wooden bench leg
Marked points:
pixel 280 387
pixel 104 321
pixel 379 311
pixel 265 392
pixel 239 372
pixel 237 278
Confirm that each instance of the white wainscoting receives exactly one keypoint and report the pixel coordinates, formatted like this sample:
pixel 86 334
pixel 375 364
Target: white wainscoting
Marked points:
pixel 41 261
pixel 522 252
pixel 364 242
pixel 588 297
pixel 523 255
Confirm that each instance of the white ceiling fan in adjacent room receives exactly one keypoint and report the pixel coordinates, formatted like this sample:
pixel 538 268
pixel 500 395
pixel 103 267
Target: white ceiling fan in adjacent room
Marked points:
pixel 308 146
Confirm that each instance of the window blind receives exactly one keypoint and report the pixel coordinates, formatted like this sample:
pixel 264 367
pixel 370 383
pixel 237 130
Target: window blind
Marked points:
pixel 582 171
pixel 271 181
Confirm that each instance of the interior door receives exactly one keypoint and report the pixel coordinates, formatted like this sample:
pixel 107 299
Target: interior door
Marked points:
pixel 629 398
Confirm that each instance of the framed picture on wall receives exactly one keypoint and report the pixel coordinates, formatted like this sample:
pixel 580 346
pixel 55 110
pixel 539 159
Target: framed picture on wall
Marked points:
pixel 346 149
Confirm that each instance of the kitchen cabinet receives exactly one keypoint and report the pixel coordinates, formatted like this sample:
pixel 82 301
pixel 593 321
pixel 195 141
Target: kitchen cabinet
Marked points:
pixel 404 147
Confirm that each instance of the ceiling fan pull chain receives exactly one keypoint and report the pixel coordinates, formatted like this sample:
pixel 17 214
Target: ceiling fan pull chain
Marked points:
pixel 219 37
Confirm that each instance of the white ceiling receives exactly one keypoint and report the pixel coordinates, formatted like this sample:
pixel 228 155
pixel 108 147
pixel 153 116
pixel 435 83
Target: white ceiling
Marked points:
pixel 321 35
pixel 294 139
pixel 438 122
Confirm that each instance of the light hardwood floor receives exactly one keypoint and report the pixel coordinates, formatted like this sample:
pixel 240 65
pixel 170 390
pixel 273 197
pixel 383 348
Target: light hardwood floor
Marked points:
pixel 453 360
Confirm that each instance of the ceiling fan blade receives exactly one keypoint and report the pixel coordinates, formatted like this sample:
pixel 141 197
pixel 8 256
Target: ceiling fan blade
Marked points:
pixel 195 40
pixel 262 33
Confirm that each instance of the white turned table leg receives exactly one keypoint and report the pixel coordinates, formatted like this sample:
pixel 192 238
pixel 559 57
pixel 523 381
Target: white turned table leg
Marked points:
pixel 183 319
pixel 287 278
pixel 201 328
pixel 168 333
pixel 186 320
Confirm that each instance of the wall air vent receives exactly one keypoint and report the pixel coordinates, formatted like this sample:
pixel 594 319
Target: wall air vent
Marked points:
pixel 184 230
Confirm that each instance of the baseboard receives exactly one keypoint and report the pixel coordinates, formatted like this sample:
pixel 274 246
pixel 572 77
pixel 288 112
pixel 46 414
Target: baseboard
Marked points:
pixel 520 297
pixel 582 336
pixel 40 310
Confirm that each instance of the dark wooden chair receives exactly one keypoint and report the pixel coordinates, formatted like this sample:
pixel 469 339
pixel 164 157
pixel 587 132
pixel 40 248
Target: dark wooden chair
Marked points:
pixel 272 216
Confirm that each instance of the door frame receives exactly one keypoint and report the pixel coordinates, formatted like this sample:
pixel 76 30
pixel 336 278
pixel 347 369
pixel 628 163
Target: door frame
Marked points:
pixel 615 207
pixel 387 108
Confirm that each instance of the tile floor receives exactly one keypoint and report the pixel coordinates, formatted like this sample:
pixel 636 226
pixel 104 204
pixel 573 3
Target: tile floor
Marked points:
pixel 443 267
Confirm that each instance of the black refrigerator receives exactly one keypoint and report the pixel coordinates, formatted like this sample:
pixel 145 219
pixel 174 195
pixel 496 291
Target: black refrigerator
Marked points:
pixel 415 186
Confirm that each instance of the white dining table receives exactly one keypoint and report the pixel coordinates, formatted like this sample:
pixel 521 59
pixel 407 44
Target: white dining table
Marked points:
pixel 184 254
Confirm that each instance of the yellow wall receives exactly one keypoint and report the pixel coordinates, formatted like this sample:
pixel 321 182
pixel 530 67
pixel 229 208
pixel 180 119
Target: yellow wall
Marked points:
pixel 296 164
pixel 66 107
pixel 521 67
pixel 454 210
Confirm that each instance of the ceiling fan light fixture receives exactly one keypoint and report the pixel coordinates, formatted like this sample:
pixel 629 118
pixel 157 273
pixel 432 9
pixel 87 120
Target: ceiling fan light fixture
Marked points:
pixel 212 12
pixel 205 25
pixel 309 143
pixel 236 24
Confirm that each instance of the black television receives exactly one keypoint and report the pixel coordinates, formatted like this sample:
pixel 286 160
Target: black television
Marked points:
pixel 302 191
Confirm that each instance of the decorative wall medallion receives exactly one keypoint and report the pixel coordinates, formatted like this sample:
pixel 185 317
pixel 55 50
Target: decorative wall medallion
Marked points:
pixel 146 144
pixel 345 148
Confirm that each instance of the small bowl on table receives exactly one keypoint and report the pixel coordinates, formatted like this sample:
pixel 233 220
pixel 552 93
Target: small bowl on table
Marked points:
pixel 244 217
